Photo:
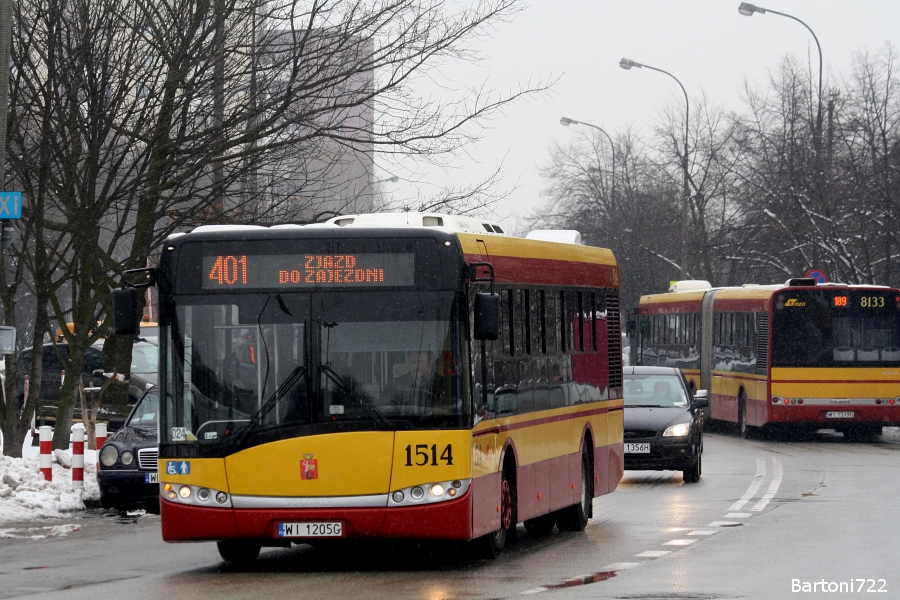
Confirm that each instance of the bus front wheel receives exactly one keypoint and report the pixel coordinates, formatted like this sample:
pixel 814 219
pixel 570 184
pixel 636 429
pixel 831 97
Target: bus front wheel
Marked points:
pixel 492 544
pixel 238 551
pixel 743 426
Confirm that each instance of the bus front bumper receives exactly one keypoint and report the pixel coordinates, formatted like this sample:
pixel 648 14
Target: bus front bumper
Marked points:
pixel 450 520
pixel 832 416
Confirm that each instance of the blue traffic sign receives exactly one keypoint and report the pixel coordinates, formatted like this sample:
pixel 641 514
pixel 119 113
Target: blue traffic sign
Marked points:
pixel 10 205
pixel 818 274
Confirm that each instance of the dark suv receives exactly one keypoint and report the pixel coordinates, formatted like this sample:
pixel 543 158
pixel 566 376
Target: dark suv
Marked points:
pixel 51 381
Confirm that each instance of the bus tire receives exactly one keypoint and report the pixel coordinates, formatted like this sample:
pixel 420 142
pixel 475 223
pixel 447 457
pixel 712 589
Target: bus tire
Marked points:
pixel 743 427
pixel 492 545
pixel 239 551
pixel 575 517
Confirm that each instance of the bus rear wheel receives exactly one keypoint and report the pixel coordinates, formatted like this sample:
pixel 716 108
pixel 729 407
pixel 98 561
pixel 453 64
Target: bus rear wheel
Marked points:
pixel 575 517
pixel 239 551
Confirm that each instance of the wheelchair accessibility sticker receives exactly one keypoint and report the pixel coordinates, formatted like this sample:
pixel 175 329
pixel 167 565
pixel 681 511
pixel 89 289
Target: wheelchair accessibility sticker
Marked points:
pixel 178 467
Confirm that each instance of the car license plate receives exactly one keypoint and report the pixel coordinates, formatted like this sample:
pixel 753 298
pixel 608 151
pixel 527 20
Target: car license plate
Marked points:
pixel 643 448
pixel 151 478
pixel 327 529
pixel 839 414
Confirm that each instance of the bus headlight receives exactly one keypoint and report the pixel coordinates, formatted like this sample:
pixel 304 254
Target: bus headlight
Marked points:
pixel 429 493
pixel 680 430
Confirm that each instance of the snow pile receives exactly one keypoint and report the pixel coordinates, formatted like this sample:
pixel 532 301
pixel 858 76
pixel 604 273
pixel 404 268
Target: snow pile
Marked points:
pixel 24 495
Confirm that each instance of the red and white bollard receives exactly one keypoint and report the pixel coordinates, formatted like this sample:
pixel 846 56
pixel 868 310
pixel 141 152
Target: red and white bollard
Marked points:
pixel 46 459
pixel 99 440
pixel 78 455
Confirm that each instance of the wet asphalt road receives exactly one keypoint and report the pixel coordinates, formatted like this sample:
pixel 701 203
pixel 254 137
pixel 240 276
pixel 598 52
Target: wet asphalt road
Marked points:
pixel 768 516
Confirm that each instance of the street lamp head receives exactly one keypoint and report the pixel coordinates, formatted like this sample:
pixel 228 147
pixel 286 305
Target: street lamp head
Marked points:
pixel 748 9
pixel 627 63
pixel 566 121
pixel 394 179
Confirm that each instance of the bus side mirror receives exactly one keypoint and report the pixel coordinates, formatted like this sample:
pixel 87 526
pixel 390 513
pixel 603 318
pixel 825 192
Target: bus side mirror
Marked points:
pixel 701 399
pixel 487 316
pixel 631 327
pixel 125 311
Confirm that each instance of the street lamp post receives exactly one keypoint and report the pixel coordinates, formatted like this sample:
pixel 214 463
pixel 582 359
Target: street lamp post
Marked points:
pixel 748 10
pixel 627 64
pixel 566 121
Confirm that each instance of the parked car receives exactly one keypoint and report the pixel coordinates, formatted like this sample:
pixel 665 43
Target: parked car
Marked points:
pixel 144 365
pixel 128 474
pixel 144 368
pixel 663 422
pixel 51 380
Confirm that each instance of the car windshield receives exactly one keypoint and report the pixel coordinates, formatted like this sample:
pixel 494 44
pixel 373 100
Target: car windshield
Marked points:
pixel 145 413
pixel 660 390
pixel 144 358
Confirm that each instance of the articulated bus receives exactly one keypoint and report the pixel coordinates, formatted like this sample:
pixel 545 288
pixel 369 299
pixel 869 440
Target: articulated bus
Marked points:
pixel 328 382
pixel 800 354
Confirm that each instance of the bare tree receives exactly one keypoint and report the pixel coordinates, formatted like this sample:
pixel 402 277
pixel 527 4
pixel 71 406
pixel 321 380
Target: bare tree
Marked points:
pixel 134 120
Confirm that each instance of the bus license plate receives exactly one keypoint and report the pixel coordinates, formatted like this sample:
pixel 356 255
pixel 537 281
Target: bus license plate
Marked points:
pixel 642 448
pixel 327 529
pixel 151 478
pixel 839 414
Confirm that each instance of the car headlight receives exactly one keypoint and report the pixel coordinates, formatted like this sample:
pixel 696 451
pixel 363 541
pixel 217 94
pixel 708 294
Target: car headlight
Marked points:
pixel 127 458
pixel 680 430
pixel 109 455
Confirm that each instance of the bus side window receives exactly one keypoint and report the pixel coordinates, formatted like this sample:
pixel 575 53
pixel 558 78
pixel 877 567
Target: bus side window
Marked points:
pixel 551 320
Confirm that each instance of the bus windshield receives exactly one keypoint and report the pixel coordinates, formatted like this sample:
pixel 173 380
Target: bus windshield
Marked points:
pixel 836 328
pixel 250 368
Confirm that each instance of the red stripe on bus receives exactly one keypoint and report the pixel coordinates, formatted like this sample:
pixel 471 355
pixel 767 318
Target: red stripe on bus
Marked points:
pixel 667 308
pixel 741 377
pixel 513 269
pixel 544 421
pixel 741 304
pixel 835 381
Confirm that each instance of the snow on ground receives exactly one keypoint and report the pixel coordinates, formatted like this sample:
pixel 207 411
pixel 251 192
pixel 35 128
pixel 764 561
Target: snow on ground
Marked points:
pixel 25 496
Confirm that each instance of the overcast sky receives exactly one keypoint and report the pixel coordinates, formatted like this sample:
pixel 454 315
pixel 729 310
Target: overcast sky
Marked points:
pixel 706 44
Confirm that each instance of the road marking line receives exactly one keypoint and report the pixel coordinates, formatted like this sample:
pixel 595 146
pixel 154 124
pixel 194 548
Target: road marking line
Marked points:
pixel 754 485
pixel 620 566
pixel 703 532
pixel 536 590
pixel 738 515
pixel 679 542
pixel 724 524
pixel 653 553
pixel 773 486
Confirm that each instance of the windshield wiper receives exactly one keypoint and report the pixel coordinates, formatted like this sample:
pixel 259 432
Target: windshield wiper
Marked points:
pixel 367 406
pixel 280 392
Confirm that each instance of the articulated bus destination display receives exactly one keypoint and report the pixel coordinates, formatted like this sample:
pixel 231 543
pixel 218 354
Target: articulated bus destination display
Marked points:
pixel 230 271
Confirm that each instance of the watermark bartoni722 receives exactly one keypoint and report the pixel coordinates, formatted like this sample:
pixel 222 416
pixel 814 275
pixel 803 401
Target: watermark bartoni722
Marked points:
pixel 849 586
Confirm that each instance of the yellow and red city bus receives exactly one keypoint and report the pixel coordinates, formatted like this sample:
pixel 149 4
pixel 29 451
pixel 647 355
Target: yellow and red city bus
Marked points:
pixel 324 382
pixel 799 354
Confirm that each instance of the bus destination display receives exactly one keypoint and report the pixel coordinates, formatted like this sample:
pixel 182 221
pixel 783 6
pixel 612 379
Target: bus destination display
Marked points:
pixel 230 271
